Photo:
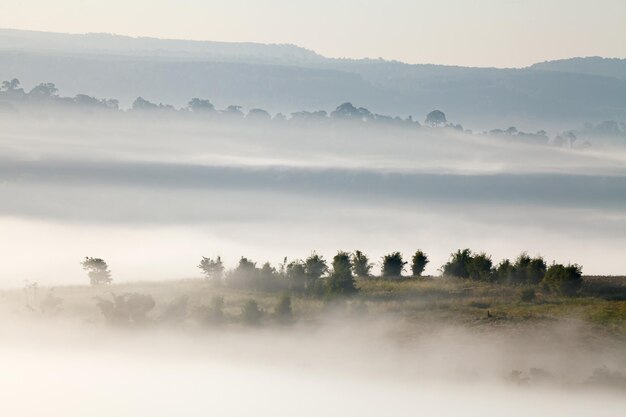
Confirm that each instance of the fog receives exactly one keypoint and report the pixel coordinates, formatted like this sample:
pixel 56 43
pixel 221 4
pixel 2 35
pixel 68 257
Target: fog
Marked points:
pixel 152 195
pixel 70 369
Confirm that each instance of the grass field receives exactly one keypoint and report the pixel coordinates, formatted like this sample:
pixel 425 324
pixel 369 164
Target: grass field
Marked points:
pixel 601 304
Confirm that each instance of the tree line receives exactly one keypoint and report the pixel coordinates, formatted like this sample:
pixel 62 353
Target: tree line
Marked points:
pixel 316 277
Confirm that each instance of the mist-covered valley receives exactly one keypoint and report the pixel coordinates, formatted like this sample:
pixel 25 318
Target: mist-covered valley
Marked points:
pixel 193 228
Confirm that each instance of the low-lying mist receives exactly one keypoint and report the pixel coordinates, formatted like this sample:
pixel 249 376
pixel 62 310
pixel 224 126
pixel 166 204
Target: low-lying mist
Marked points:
pixel 152 196
pixel 370 367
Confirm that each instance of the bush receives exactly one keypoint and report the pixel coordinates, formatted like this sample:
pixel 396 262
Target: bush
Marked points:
pixel 393 265
pixel 314 266
pixel 295 272
pixel 529 270
pixel 283 311
pixel 527 295
pixel 341 280
pixel 361 264
pixel 418 264
pixel 213 313
pixel 562 279
pixel 250 313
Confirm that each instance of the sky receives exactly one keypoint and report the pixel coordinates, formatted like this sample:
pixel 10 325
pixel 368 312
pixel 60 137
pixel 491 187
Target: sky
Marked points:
pixel 501 33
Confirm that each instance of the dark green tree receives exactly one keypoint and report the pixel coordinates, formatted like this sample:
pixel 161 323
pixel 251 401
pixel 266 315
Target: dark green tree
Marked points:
pixel 361 264
pixel 458 265
pixel 341 280
pixel 418 263
pixel 436 118
pixel 393 265
pixel 565 280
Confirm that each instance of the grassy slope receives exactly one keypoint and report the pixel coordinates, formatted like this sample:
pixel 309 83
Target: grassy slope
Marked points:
pixel 601 305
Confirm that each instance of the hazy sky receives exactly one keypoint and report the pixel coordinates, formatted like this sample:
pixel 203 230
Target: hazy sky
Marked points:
pixel 463 32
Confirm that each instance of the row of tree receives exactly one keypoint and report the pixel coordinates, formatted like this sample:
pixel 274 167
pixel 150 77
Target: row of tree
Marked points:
pixel 12 91
pixel 314 276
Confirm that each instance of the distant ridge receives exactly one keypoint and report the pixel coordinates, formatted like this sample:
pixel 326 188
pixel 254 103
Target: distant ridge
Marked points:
pixel 287 78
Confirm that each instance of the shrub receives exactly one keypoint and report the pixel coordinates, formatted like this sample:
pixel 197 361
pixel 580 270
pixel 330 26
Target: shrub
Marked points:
pixel 283 311
pixel 341 280
pixel 250 313
pixel 126 309
pixel 315 266
pixel 245 275
pixel 527 295
pixel 361 264
pixel 418 264
pixel 562 279
pixel 213 313
pixel 393 265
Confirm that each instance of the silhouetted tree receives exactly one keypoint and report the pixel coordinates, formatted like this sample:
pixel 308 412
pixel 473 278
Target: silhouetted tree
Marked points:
pixel 233 111
pixel 361 264
pixel 393 265
pixel 436 118
pixel 97 270
pixel 418 263
pixel 341 280
pixel 245 275
pixel 529 270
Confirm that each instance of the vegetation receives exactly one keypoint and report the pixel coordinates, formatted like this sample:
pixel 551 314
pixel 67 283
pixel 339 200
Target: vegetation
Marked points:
pixel 341 280
pixel 418 263
pixel 562 279
pixel 361 264
pixel 393 265
pixel 212 269
pixel 97 271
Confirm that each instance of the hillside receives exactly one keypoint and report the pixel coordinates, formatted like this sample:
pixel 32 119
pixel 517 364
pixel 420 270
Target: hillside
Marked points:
pixel 285 78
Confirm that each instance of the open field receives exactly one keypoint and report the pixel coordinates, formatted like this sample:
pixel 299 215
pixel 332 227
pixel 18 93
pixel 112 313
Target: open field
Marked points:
pixel 600 306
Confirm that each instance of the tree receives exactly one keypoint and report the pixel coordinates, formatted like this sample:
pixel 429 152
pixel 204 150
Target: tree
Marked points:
pixel 97 270
pixel 341 280
pixel 198 105
pixel 436 118
pixel 258 114
pixel 296 276
pixel 457 266
pixel 11 85
pixel 43 90
pixel 480 267
pixel 348 111
pixel 213 269
pixel 233 110
pixel 529 270
pixel 562 279
pixel 418 263
pixel 141 104
pixel 393 265
pixel 245 275
pixel 361 264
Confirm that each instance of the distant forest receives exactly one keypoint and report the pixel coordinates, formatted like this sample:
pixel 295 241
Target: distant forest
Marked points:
pixel 44 98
